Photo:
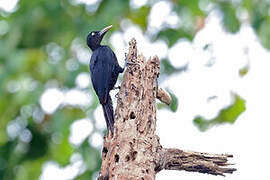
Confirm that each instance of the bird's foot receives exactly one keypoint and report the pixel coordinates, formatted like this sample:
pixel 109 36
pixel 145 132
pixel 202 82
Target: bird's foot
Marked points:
pixel 117 87
pixel 109 134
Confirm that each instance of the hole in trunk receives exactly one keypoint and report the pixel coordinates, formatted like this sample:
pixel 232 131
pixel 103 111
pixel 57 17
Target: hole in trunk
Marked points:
pixel 116 158
pixel 132 115
pixel 127 158
pixel 134 155
pixel 104 151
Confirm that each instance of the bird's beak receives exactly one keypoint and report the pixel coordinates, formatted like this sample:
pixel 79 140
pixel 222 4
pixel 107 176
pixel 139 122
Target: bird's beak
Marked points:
pixel 103 31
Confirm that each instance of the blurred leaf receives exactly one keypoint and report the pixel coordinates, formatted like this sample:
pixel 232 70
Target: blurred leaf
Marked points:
pixel 111 12
pixel 29 169
pixel 258 12
pixel 264 33
pixel 226 115
pixel 173 35
pixel 62 119
pixel 193 6
pixel 243 71
pixel 6 171
pixel 38 145
pixel 174 102
pixel 140 16
pixel 85 176
pixel 91 156
pixel 207 46
pixel 161 105
pixel 166 68
pixel 230 20
pixel 61 151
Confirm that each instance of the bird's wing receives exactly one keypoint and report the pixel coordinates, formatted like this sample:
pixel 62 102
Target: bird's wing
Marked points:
pixel 117 66
pixel 116 69
pixel 101 68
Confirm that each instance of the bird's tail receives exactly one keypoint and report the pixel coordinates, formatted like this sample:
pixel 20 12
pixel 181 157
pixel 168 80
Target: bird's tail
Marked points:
pixel 108 113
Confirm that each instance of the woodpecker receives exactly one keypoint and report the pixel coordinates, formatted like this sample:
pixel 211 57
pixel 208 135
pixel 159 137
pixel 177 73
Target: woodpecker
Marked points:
pixel 104 71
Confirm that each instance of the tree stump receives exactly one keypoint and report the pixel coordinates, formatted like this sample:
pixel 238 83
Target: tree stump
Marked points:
pixel 134 151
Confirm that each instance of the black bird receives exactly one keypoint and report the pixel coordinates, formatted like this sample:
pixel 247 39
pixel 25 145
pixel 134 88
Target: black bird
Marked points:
pixel 104 70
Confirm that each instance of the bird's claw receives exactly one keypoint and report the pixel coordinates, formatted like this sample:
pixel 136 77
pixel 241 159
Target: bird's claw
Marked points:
pixel 117 87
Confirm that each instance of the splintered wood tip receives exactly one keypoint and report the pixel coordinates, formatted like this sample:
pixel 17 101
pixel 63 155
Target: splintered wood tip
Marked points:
pixel 132 54
pixel 133 43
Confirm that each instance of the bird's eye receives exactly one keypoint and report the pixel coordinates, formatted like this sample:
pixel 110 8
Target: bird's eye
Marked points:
pixel 92 34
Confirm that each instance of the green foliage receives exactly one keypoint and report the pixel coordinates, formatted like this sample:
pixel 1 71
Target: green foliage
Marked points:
pixel 192 7
pixel 259 15
pixel 174 103
pixel 264 33
pixel 226 115
pixel 172 35
pixel 28 67
pixel 140 16
pixel 38 146
pixel 90 156
pixel 243 71
pixel 230 20
pixel 166 68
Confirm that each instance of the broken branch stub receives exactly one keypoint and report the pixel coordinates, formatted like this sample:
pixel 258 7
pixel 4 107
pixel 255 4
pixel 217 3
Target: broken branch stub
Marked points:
pixel 134 151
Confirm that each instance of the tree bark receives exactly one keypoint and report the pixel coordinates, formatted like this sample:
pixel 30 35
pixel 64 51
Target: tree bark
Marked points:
pixel 134 151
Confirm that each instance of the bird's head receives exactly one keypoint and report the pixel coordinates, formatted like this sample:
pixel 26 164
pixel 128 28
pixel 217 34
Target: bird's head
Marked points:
pixel 95 37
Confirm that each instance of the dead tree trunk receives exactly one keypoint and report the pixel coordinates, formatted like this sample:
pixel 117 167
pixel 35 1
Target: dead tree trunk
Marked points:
pixel 134 152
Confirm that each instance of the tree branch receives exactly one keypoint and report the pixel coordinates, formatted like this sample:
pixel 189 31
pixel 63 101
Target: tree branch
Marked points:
pixel 175 159
pixel 163 96
pixel 134 152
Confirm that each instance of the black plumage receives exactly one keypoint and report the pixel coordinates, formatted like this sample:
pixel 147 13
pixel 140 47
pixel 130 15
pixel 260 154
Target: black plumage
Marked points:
pixel 104 70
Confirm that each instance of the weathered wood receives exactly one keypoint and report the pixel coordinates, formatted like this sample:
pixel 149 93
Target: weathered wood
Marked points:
pixel 163 96
pixel 175 159
pixel 134 152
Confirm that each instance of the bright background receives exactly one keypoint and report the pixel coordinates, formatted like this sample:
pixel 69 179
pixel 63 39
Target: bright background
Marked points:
pixel 215 62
